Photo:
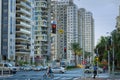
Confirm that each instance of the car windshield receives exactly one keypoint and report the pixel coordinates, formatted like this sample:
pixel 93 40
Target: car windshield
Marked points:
pixel 10 65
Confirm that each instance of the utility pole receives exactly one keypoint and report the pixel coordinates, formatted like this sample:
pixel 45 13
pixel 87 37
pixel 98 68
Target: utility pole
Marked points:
pixel 113 62
pixel 108 62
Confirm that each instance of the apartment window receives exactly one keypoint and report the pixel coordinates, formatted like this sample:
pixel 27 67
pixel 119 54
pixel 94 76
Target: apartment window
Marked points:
pixel 11 5
pixel 10 25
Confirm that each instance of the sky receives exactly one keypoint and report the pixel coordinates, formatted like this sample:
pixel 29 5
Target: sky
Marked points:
pixel 104 14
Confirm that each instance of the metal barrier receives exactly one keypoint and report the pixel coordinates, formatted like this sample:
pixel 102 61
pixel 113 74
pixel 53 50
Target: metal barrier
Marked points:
pixel 5 71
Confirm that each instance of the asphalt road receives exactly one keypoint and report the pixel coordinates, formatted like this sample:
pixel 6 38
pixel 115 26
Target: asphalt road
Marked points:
pixel 38 75
pixel 73 74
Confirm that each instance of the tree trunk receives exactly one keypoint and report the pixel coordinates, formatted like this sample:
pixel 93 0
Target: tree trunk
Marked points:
pixel 75 60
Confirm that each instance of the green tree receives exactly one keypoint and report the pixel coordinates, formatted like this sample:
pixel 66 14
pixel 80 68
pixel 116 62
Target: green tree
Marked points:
pixel 116 45
pixel 77 50
pixel 79 53
pixel 102 47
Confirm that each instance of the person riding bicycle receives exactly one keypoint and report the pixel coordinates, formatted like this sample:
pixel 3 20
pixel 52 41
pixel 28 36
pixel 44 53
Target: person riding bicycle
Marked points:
pixel 49 71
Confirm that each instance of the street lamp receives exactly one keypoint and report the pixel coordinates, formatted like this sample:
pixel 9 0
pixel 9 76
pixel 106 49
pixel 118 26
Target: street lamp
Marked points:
pixel 113 62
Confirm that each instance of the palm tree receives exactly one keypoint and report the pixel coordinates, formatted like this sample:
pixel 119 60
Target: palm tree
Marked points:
pixel 79 53
pixel 76 49
pixel 101 48
pixel 116 42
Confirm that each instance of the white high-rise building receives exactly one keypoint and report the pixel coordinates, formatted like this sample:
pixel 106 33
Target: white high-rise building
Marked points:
pixel 72 30
pixel 66 12
pixel 86 31
pixel 7 29
pixel 42 31
pixel 118 20
pixel 23 30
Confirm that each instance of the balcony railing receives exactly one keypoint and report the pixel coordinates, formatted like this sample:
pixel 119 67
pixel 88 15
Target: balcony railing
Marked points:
pixel 23 11
pixel 23 18
pixel 24 24
pixel 20 3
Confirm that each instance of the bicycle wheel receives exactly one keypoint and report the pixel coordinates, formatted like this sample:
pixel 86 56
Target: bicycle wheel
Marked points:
pixel 44 77
pixel 52 75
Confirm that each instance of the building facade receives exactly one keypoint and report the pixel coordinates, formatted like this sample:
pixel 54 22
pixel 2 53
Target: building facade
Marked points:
pixel 86 31
pixel 72 31
pixel 7 29
pixel 118 21
pixel 42 31
pixel 23 30
pixel 61 18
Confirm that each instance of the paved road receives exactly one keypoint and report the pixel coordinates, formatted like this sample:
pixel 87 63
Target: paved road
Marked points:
pixel 37 75
pixel 75 74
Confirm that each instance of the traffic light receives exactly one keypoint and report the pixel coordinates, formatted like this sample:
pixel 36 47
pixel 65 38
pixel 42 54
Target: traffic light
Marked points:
pixel 97 59
pixel 109 45
pixel 54 28
pixel 65 49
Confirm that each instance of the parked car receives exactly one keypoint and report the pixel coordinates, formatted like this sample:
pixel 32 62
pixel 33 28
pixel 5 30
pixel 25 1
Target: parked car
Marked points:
pixel 58 70
pixel 27 68
pixel 38 68
pixel 45 67
pixel 7 68
pixel 90 70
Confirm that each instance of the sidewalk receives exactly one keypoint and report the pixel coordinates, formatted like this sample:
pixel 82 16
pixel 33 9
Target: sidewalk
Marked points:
pixel 6 75
pixel 103 76
pixel 97 79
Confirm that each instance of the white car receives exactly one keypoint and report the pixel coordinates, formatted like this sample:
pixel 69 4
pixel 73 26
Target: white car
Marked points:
pixel 27 68
pixel 58 70
pixel 7 67
pixel 90 70
pixel 37 68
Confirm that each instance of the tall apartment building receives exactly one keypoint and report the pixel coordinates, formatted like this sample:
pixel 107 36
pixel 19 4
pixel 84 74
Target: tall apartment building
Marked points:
pixel 72 30
pixel 53 33
pixel 61 18
pixel 7 29
pixel 118 20
pixel 42 30
pixel 23 30
pixel 66 18
pixel 86 31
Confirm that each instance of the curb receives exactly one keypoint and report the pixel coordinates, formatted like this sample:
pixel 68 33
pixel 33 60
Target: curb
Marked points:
pixel 5 75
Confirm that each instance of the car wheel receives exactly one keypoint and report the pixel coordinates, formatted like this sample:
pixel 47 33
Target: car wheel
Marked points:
pixel 61 72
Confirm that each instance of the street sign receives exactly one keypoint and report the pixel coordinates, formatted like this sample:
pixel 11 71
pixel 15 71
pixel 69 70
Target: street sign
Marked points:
pixel 60 31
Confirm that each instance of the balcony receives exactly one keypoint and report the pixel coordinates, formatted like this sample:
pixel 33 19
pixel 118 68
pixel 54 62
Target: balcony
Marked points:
pixel 22 38
pixel 23 24
pixel 23 4
pixel 21 44
pixel 24 18
pixel 23 31
pixel 23 11
pixel 22 51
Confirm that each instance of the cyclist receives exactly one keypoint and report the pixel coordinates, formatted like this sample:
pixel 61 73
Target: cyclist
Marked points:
pixel 49 71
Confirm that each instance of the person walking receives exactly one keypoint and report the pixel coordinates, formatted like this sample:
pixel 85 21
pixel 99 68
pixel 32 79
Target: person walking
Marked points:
pixel 95 71
pixel 104 69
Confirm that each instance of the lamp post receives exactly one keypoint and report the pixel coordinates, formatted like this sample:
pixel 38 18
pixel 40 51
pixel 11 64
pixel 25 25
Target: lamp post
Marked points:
pixel 113 62
pixel 108 62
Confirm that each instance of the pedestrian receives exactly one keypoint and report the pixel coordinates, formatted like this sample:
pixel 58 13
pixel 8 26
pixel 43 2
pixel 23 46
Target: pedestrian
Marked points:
pixel 95 71
pixel 104 69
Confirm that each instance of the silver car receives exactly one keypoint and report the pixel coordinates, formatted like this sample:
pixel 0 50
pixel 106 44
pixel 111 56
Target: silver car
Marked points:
pixel 58 70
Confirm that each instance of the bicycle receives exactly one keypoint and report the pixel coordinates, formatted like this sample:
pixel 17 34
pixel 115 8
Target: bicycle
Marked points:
pixel 48 76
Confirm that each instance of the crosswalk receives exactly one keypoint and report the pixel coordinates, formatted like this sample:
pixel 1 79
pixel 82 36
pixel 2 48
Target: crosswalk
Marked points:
pixel 38 78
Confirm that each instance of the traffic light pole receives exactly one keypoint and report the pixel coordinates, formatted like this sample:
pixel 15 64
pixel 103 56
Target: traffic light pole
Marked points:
pixel 113 62
pixel 108 62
